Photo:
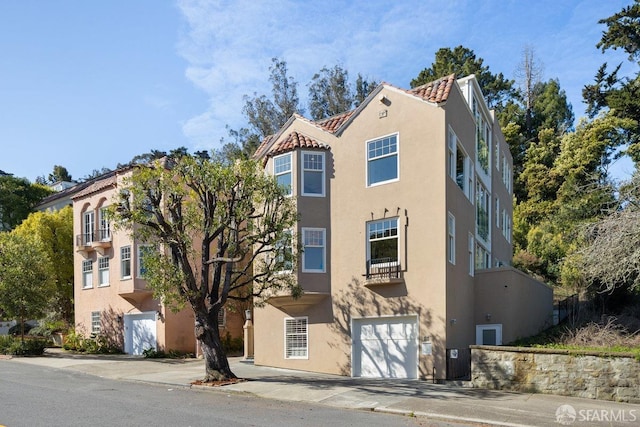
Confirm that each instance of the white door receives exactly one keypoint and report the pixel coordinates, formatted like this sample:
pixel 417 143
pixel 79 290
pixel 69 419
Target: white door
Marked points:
pixel 140 332
pixel 385 347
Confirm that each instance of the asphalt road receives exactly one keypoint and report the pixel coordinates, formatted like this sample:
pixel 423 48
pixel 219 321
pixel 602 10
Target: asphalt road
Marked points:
pixel 33 396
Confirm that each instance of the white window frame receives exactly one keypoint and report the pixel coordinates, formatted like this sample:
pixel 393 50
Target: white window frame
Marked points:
pixel 369 159
pixel 87 274
pixel 222 318
pixel 306 169
pixel 483 200
pixel 125 259
pixel 481 328
pixel 451 238
pixel 139 258
pixel 485 261
pixel 296 337
pixel 322 244
pixel 103 271
pixel 285 244
pixel 397 237
pixel 88 226
pixel 472 255
pixel 497 212
pixel 96 322
pixel 280 172
pixel 104 232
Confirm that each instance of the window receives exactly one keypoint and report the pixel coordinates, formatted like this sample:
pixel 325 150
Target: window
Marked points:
pixel 482 138
pixel 451 240
pixel 95 322
pixel 284 252
pixel 506 173
pixel 482 211
pixel 459 165
pixel 313 256
pixel 103 271
pixel 482 257
pixel 296 335
pixel 104 230
pixel 282 172
pixel 506 225
pixel 472 261
pixel 87 274
pixel 222 318
pixel 382 160
pixel 313 174
pixel 489 334
pixel 125 262
pixel 383 241
pixel 143 252
pixel 88 225
pixel 496 212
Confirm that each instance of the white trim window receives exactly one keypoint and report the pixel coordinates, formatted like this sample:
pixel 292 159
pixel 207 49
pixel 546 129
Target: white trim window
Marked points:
pixel 497 211
pixel 104 232
pixel 471 250
pixel 489 334
pixel 222 318
pixel 87 274
pixel 103 271
pixel 506 225
pixel 125 262
pixel 459 165
pixel 296 338
pixel 283 253
pixel 483 205
pixel 313 176
pixel 451 238
pixel 143 252
pixel 88 225
pixel 483 257
pixel 382 160
pixel 314 254
pixel 96 324
pixel 383 242
pixel 282 172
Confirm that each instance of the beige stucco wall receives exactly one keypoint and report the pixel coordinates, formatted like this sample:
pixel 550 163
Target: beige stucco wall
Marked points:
pixel 442 295
pixel 120 296
pixel 522 305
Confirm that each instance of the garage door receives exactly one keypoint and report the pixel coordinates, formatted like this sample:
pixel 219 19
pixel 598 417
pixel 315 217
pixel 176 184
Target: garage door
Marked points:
pixel 139 332
pixel 385 347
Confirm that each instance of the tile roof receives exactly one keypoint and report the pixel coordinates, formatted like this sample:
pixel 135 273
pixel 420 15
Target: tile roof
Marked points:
pixel 296 140
pixel 264 145
pixel 99 185
pixel 332 123
pixel 436 91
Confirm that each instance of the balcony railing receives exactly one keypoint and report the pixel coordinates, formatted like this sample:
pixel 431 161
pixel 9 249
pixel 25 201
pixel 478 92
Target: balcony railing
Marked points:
pixel 383 269
pixel 85 239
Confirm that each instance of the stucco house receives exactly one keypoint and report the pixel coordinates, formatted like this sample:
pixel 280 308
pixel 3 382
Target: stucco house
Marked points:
pixel 406 216
pixel 111 297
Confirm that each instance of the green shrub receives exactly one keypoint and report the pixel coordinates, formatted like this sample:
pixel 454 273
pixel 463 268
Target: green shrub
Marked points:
pixel 98 344
pixel 232 345
pixel 17 347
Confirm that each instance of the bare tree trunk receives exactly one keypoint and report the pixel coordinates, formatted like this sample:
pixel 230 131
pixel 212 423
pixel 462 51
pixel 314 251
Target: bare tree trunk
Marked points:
pixel 215 359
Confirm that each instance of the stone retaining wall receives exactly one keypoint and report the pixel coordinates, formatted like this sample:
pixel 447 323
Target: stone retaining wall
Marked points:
pixel 607 376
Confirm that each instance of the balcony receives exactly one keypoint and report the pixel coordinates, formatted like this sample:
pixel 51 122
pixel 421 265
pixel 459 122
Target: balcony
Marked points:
pixel 292 305
pixel 84 243
pixel 383 271
pixel 134 290
pixel 103 242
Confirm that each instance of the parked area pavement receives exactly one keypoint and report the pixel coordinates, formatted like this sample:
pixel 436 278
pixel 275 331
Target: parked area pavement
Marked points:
pixel 434 402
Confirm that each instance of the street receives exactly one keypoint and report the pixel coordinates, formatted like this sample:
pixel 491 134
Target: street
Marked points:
pixel 32 396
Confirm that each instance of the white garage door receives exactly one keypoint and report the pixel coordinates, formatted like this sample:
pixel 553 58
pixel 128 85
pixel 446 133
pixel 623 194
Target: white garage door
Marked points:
pixel 385 347
pixel 139 332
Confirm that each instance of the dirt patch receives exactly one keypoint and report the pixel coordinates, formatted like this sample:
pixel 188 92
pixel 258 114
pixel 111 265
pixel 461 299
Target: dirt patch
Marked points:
pixel 218 383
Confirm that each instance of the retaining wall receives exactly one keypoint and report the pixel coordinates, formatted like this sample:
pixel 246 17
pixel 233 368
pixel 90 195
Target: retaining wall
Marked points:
pixel 607 376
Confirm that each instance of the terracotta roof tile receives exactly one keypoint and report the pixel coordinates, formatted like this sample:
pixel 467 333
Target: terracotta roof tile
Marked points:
pixel 99 185
pixel 332 123
pixel 296 140
pixel 436 91
pixel 263 146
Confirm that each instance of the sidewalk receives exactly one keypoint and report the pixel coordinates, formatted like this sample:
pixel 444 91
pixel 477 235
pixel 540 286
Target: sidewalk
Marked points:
pixel 403 397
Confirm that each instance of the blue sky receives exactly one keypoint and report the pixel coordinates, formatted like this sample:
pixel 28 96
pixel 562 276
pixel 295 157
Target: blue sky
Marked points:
pixel 88 85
